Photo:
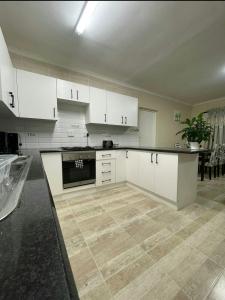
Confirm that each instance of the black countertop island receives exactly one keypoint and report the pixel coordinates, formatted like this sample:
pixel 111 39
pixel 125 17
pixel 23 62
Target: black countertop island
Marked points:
pixel 138 148
pixel 33 259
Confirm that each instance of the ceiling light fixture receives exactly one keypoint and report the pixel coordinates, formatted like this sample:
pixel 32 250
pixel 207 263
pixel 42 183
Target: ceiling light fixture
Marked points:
pixel 85 16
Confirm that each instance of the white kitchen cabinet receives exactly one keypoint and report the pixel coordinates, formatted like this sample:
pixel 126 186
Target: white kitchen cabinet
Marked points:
pixel 115 109
pixel 52 163
pixel 8 93
pixel 105 172
pixel 105 167
pixel 146 170
pixel 131 111
pixel 36 96
pixel 122 109
pixel 132 167
pixel 111 108
pixel 166 175
pixel 155 172
pixel 72 91
pixel 97 110
pixel 120 165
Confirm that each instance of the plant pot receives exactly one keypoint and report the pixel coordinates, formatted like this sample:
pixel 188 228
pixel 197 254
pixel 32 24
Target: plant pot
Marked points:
pixel 194 145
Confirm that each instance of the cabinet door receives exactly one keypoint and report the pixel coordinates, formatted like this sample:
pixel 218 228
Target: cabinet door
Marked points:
pixel 122 109
pixel 97 110
pixel 146 171
pixel 131 111
pixel 115 109
pixel 36 96
pixel 81 93
pixel 120 165
pixel 65 90
pixel 8 89
pixel 8 92
pixel 166 171
pixel 132 167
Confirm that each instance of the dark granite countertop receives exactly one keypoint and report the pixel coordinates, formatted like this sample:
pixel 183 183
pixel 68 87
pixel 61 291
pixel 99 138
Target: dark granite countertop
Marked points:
pixel 33 259
pixel 155 149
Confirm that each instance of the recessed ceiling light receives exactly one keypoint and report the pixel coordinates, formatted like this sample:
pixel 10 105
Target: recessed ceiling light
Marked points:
pixel 85 16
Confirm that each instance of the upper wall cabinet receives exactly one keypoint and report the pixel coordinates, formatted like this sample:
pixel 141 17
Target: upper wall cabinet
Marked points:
pixel 8 93
pixel 76 92
pixel 36 96
pixel 122 109
pixel 97 109
pixel 112 108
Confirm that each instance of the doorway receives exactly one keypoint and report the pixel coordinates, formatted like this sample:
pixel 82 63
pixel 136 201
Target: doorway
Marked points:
pixel 147 127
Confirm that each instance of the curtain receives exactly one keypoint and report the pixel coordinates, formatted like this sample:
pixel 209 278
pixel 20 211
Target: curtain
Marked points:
pixel 216 117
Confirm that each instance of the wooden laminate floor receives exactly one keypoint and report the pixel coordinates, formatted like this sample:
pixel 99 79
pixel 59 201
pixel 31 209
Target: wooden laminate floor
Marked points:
pixel 123 245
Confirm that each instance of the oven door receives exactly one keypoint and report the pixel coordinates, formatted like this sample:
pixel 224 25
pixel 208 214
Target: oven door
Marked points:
pixel 78 172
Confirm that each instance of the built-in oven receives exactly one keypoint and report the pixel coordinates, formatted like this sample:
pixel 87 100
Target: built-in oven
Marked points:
pixel 78 168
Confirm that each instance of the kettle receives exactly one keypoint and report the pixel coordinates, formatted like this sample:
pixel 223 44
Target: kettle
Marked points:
pixel 107 144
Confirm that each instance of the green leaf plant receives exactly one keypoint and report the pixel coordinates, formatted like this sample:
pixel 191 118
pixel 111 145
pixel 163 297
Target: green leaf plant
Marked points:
pixel 197 129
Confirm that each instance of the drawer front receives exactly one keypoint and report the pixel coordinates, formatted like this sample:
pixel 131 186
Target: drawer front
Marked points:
pixel 105 155
pixel 105 172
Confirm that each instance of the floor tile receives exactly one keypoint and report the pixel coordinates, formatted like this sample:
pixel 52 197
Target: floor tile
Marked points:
pixel 142 228
pixel 218 254
pixel 124 214
pixel 85 272
pixel 185 269
pixel 165 289
pixel 218 292
pixel 87 212
pixel 189 229
pixel 121 261
pixel 138 287
pixel 145 205
pixel 129 273
pixel 96 225
pixel 101 292
pixel 155 239
pixel 110 245
pixel 202 282
pixel 164 247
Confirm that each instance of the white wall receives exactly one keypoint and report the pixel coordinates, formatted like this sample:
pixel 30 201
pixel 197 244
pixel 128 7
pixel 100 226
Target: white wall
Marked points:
pixel 46 134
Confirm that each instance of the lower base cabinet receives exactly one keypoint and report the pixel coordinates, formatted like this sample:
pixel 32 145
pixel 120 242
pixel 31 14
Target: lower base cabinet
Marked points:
pixel 105 171
pixel 155 172
pixel 169 175
pixel 52 163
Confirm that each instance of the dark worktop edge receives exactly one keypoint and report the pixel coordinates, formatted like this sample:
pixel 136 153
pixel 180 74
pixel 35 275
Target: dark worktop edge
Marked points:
pixel 154 149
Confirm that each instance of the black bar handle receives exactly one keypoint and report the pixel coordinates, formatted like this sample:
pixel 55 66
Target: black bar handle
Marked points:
pixel 152 158
pixel 77 94
pixel 156 158
pixel 13 100
pixel 122 119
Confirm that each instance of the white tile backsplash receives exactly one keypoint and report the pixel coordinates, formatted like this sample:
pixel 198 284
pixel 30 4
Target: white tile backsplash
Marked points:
pixel 69 130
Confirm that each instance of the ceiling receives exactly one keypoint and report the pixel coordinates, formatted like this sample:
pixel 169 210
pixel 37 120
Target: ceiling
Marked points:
pixel 172 48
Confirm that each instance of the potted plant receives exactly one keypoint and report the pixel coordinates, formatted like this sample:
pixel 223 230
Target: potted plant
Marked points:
pixel 196 131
